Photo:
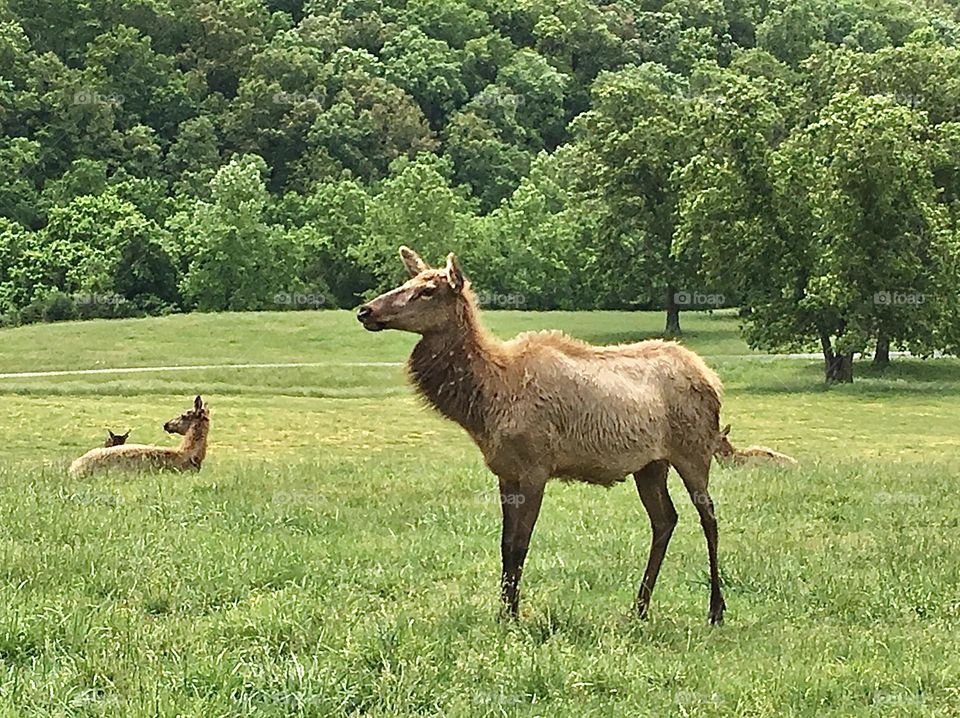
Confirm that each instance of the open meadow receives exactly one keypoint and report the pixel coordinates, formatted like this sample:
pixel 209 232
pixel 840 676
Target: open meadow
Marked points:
pixel 338 554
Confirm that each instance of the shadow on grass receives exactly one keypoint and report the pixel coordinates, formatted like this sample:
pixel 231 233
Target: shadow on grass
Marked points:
pixel 688 337
pixel 906 377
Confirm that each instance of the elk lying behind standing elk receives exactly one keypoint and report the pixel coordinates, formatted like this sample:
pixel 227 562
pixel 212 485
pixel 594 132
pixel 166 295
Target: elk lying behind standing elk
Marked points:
pixel 544 405
pixel 116 439
pixel 728 453
pixel 194 425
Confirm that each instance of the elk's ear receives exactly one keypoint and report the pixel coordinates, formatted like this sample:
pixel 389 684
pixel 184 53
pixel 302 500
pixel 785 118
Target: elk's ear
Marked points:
pixel 725 430
pixel 454 273
pixel 125 436
pixel 198 403
pixel 412 261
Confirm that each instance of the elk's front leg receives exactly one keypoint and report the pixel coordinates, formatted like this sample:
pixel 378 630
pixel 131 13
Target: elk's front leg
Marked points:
pixel 520 501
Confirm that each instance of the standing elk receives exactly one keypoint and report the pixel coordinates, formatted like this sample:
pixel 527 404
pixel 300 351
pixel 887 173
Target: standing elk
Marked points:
pixel 544 405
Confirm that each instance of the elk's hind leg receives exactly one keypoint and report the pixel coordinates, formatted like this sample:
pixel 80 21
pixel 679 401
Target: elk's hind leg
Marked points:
pixel 696 477
pixel 652 486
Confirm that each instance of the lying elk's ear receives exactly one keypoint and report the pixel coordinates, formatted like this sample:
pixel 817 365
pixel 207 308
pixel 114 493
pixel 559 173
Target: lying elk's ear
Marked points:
pixel 412 261
pixel 198 403
pixel 125 436
pixel 454 273
pixel 725 430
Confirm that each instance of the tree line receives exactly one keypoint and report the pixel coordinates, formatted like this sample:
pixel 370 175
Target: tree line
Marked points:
pixel 799 160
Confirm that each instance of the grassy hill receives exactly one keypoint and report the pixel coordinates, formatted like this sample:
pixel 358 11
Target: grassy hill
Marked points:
pixel 338 553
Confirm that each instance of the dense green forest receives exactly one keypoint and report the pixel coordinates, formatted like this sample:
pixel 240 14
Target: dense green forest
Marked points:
pixel 800 160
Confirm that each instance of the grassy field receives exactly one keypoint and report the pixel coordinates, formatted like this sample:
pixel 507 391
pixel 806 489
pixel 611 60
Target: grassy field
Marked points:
pixel 338 554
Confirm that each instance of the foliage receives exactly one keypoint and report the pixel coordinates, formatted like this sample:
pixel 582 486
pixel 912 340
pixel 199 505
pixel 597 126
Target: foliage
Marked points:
pixel 578 154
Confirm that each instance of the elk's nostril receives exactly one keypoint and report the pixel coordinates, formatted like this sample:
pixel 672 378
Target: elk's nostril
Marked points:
pixel 363 313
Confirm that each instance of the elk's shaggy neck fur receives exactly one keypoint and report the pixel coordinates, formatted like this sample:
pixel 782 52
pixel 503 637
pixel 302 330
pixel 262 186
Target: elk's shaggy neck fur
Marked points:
pixel 457 368
pixel 193 446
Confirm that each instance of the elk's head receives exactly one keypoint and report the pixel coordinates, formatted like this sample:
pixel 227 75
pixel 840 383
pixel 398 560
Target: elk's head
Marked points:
pixel 725 449
pixel 186 421
pixel 116 439
pixel 423 304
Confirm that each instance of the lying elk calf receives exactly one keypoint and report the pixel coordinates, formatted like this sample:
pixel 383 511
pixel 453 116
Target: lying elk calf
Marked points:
pixel 193 425
pixel 116 439
pixel 545 406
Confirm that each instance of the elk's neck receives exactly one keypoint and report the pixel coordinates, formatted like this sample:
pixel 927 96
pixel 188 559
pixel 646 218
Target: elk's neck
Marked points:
pixel 194 444
pixel 459 370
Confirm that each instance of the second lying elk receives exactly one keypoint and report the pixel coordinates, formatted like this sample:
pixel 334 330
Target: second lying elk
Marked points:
pixel 116 439
pixel 194 425
pixel 544 405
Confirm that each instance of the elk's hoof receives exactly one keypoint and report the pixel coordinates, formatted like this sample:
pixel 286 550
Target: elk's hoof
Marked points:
pixel 716 615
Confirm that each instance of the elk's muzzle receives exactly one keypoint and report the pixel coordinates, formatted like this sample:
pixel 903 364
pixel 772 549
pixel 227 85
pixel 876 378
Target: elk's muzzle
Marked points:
pixel 365 317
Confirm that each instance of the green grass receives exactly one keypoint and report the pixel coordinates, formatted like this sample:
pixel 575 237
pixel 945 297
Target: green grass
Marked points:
pixel 338 554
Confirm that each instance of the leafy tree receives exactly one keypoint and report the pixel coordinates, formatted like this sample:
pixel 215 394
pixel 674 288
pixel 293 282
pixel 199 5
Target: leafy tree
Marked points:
pixel 490 166
pixel 370 123
pixel 531 246
pixel 193 158
pixel 856 245
pixel 428 69
pixel 453 22
pixel 539 91
pixel 633 142
pixel 234 260
pixel 19 200
pixel 101 247
pixel 334 219
pixel 791 31
pixel 15 281
pixel 419 207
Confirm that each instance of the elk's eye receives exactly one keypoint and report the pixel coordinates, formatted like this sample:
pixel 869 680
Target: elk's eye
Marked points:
pixel 428 291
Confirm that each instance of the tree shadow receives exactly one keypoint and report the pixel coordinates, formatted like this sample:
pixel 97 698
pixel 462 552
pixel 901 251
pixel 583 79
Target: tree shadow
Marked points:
pixel 904 377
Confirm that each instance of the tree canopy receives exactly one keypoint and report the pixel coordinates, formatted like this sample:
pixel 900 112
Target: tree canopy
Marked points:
pixel 800 160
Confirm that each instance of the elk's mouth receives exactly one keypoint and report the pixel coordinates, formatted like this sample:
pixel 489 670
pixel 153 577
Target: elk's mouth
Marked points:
pixel 365 317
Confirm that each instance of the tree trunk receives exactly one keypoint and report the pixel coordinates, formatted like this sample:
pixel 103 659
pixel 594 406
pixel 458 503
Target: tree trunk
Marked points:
pixel 673 313
pixel 881 357
pixel 838 368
